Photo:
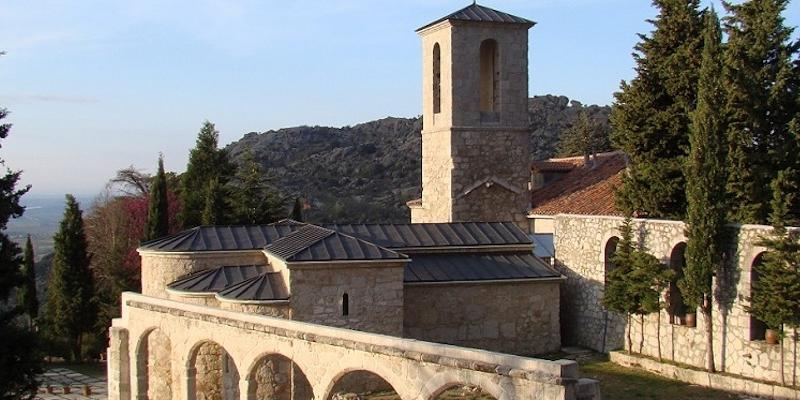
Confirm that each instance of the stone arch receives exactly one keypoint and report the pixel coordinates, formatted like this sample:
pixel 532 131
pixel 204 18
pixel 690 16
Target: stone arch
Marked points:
pixel 211 373
pixel 466 392
pixel 154 366
pixel 757 328
pixel 443 382
pixel 360 381
pixel 609 249
pixel 489 76
pixel 437 78
pixel 275 376
pixel 675 304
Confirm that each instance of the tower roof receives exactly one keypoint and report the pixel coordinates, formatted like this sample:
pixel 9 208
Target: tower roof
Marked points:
pixel 479 13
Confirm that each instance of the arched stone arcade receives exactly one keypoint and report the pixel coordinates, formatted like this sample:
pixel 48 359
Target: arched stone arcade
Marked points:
pixel 211 373
pixel 154 366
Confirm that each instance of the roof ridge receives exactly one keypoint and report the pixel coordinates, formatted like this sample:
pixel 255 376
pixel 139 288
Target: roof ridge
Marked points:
pixel 288 253
pixel 581 157
pixel 481 14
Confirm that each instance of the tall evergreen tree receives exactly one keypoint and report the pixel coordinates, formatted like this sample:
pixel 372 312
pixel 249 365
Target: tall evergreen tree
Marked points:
pixel 585 137
pixel 213 211
pixel 297 213
pixel 206 161
pixel 26 295
pixel 616 296
pixel 20 361
pixel 71 311
pixel 650 117
pixel 763 79
pixel 705 183
pixel 254 201
pixel 158 210
pixel 776 294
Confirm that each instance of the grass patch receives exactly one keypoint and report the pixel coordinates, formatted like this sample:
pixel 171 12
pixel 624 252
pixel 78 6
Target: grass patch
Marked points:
pixel 618 382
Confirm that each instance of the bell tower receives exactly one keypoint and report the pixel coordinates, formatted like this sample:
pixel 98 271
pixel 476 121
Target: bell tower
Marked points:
pixel 475 138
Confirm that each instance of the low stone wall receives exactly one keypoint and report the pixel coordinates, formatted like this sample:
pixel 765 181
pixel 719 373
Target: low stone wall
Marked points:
pixel 724 382
pixel 580 243
pixel 516 318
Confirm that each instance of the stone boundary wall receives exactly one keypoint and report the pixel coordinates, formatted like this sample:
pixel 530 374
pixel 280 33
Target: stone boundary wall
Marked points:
pixel 728 383
pixel 580 255
pixel 416 369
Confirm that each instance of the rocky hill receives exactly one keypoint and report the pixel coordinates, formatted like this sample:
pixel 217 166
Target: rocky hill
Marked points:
pixel 366 172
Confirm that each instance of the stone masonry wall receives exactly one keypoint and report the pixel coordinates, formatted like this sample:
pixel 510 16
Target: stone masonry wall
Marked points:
pixel 375 296
pixel 462 146
pixel 159 370
pixel 580 243
pixel 161 269
pixel 515 318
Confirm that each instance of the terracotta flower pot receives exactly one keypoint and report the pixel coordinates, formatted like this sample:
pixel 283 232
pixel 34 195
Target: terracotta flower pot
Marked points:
pixel 771 336
pixel 691 320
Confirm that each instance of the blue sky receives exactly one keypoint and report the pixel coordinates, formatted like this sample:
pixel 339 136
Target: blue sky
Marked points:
pixel 95 86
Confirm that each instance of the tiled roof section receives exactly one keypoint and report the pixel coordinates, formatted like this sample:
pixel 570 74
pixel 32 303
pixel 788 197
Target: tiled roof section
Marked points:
pixel 585 190
pixel 479 13
pixel 222 238
pixel 313 243
pixel 264 287
pixel 553 166
pixel 477 267
pixel 216 279
pixel 454 234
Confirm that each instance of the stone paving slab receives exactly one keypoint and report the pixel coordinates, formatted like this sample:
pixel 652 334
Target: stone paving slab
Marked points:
pixel 59 378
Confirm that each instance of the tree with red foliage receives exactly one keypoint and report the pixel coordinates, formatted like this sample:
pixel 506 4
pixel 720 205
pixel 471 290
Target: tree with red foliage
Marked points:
pixel 115 226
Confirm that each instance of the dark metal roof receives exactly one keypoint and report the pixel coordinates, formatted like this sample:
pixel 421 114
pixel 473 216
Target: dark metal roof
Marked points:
pixel 264 287
pixel 477 267
pixel 455 234
pixel 479 13
pixel 215 279
pixel 314 243
pixel 223 238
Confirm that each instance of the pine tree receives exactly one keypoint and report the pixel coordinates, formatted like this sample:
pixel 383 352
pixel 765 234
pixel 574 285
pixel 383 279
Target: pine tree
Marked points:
pixel 762 81
pixel 213 212
pixel 26 295
pixel 255 202
pixel 20 361
pixel 71 310
pixel 586 137
pixel 297 211
pixel 650 117
pixel 206 161
pixel 158 211
pixel 705 184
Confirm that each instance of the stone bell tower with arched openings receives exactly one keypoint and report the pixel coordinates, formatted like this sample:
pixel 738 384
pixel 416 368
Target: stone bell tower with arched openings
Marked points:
pixel 475 138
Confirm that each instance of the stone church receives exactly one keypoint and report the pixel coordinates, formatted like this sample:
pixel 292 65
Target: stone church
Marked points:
pixel 501 254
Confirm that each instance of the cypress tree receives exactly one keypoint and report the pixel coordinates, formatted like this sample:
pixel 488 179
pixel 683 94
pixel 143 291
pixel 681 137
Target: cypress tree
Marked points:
pixel 26 295
pixel 763 81
pixel 71 310
pixel 158 210
pixel 213 209
pixel 705 184
pixel 297 210
pixel 776 294
pixel 255 201
pixel 616 295
pixel 650 117
pixel 206 161
pixel 20 361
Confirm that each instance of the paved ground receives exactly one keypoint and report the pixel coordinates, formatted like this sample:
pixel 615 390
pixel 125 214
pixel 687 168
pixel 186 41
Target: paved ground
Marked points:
pixel 60 378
